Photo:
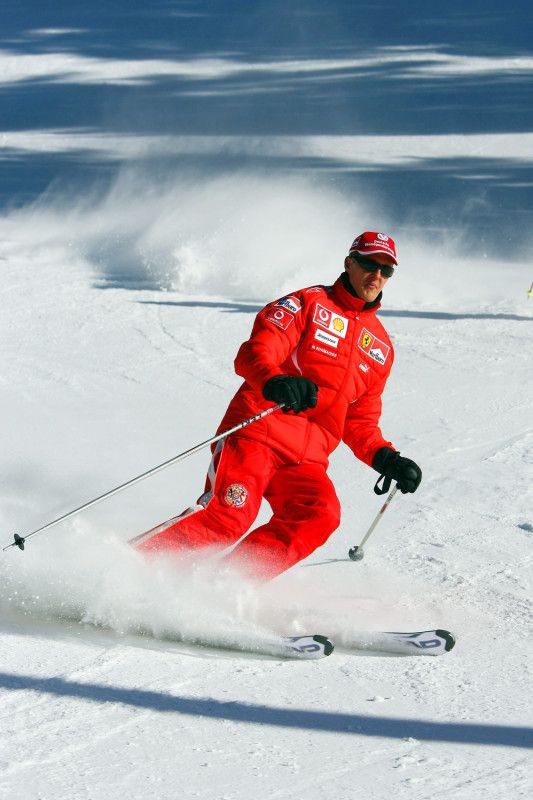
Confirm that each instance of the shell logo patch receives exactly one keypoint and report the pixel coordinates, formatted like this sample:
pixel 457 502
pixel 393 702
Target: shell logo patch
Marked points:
pixel 373 346
pixel 279 317
pixel 235 495
pixel 331 321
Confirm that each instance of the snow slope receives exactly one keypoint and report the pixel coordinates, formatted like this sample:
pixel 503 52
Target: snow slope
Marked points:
pixel 101 382
pixel 165 171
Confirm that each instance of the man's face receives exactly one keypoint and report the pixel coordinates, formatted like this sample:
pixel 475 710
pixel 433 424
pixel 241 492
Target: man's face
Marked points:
pixel 367 285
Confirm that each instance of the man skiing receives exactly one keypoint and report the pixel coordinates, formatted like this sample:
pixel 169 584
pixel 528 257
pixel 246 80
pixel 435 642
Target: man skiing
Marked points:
pixel 323 354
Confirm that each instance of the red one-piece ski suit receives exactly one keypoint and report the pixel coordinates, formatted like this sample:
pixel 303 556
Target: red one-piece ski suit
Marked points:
pixel 325 334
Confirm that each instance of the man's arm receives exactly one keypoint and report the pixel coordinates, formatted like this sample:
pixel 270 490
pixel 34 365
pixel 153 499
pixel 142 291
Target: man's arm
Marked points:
pixel 362 433
pixel 275 334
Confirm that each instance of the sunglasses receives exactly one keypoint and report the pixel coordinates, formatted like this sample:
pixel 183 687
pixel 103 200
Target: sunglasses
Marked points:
pixel 371 266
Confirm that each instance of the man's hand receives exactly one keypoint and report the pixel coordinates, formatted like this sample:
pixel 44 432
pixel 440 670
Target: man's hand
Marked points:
pixel 405 472
pixel 295 392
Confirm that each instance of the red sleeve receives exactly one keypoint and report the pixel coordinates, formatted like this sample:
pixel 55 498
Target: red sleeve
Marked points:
pixel 276 332
pixel 361 432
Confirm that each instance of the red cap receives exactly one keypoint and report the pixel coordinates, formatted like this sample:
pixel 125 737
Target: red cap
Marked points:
pixel 369 242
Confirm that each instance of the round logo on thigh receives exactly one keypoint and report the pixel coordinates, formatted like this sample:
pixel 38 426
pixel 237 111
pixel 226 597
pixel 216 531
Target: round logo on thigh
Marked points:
pixel 235 495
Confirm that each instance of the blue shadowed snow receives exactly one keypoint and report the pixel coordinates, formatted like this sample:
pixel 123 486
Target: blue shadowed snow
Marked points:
pixel 351 724
pixel 272 69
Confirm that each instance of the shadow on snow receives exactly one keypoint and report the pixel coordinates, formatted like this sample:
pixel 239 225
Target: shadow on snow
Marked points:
pixel 325 721
pixel 321 94
pixel 248 308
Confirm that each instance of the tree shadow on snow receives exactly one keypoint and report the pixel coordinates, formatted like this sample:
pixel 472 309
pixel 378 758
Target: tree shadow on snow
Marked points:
pixel 444 315
pixel 326 721
pixel 294 71
pixel 222 305
pixel 249 308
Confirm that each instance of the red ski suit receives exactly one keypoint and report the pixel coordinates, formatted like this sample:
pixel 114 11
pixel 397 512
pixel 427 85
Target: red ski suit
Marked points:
pixel 325 334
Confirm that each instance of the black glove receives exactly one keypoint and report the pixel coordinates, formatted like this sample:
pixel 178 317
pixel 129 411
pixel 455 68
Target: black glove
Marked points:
pixel 295 392
pixel 395 467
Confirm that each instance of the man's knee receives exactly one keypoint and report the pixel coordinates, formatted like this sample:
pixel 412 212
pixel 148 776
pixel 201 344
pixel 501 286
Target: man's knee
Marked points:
pixel 331 517
pixel 326 520
pixel 323 513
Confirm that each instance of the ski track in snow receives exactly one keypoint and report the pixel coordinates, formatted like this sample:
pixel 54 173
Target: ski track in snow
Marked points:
pixel 99 385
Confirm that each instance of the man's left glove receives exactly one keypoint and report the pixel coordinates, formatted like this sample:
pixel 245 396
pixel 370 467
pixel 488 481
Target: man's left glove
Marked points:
pixel 395 467
pixel 296 392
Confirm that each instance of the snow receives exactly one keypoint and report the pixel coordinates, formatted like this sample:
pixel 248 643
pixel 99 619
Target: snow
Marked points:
pixel 124 301
pixel 362 153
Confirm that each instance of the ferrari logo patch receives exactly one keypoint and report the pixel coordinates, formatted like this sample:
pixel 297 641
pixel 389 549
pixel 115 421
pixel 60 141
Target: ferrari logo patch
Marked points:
pixel 373 346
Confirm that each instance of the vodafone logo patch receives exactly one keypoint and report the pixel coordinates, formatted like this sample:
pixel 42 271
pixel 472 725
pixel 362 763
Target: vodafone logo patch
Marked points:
pixel 331 321
pixel 279 317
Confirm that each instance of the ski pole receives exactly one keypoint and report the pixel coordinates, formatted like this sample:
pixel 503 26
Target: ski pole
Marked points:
pixel 356 552
pixel 20 540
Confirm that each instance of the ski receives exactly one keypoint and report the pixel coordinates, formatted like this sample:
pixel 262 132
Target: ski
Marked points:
pixel 410 643
pixel 284 647
pixel 402 643
pixel 308 647
pixel 305 647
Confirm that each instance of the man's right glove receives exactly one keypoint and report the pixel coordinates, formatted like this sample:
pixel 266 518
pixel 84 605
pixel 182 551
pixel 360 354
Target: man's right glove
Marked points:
pixel 395 467
pixel 294 391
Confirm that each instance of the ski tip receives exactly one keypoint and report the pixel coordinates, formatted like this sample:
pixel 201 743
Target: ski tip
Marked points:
pixel 308 647
pixel 422 643
pixel 449 639
pixel 327 644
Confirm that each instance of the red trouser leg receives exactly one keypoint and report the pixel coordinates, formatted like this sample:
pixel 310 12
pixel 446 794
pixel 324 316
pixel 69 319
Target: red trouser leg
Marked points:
pixel 306 512
pixel 243 470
